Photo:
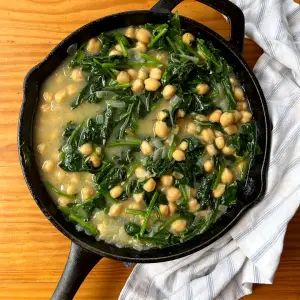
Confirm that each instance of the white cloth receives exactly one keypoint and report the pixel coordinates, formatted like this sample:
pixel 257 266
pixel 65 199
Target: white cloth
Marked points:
pixel 250 252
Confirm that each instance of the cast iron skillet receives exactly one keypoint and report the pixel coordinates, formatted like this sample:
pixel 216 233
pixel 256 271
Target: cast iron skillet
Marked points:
pixel 85 251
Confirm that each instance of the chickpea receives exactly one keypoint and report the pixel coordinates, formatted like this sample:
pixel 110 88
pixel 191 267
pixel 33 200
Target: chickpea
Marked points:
pixel 142 74
pixel 237 116
pixel 137 86
pixel 152 84
pixel 93 46
pixel 155 73
pixel 178 225
pixel 220 142
pixel 241 106
pixel 77 75
pixel 141 173
pixel 63 201
pixel 86 149
pixel 231 129
pixel 146 148
pixel 172 208
pixel 48 96
pixel 133 74
pixel 150 185
pixel 143 35
pixel 95 160
pixel 227 119
pixel 228 150
pixel 191 128
pixel 41 148
pixel 130 32
pixel 87 193
pixel 218 133
pixel 140 47
pixel 115 210
pixel 135 205
pixel 72 89
pixel 101 228
pixel 188 38
pixel 60 96
pixel 193 205
pixel 227 176
pixel 164 209
pixel 161 129
pixel 183 145
pixel 115 52
pixel 167 180
pixel 207 135
pixel 173 194
pixel 139 197
pixel 238 94
pixel 219 190
pixel 123 77
pixel 116 191
pixel 201 118
pixel 202 88
pixel 211 150
pixel 178 155
pixel 208 166
pixel 71 189
pixel 98 150
pixel 180 113
pixel 246 117
pixel 48 166
pixel 232 81
pixel 240 166
pixel 119 48
pixel 215 116
pixel 168 91
pixel 75 178
pixel 161 115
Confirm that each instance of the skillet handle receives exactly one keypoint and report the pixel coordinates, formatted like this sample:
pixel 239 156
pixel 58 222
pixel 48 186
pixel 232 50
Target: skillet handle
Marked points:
pixel 225 7
pixel 79 264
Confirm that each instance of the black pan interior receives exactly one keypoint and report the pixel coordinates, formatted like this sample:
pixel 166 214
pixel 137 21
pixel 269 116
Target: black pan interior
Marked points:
pixel 255 186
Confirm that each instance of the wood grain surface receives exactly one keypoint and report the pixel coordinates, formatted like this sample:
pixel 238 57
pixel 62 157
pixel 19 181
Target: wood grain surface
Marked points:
pixel 32 252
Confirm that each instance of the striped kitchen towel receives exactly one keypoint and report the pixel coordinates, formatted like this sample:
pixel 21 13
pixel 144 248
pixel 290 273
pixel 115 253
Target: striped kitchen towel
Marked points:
pixel 251 251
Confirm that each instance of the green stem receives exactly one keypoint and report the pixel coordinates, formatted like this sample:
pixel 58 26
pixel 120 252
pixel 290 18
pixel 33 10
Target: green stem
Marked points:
pixel 168 223
pixel 135 212
pixel 184 193
pixel 124 143
pixel 156 38
pixel 86 225
pixel 107 196
pixel 58 192
pixel 218 178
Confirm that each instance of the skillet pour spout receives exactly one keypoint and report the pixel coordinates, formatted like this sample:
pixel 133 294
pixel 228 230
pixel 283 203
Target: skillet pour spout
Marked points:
pixel 85 250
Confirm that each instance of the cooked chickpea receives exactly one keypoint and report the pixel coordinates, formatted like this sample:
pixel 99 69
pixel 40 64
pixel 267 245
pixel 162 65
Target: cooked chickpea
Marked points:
pixel 207 135
pixel 167 180
pixel 77 75
pixel 215 116
pixel 227 176
pixel 240 166
pixel 246 117
pixel 63 201
pixel 150 185
pixel 168 91
pixel 211 150
pixel 232 81
pixel 141 173
pixel 202 88
pixel 48 166
pixel 98 150
pixel 116 191
pixel 115 210
pixel 191 128
pixel 226 119
pixel 178 225
pixel 183 145
pixel 218 133
pixel 101 228
pixel 220 142
pixel 137 86
pixel 193 205
pixel 180 113
pixel 130 32
pixel 219 190
pixel 152 84
pixel 201 118
pixel 61 175
pixel 173 194
pixel 114 52
pixel 95 160
pixel 161 115
pixel 71 189
pixel 133 74
pixel 142 74
pixel 86 149
pixel 135 205
pixel 172 208
pixel 93 46
pixel 75 178
pixel 41 148
pixel 60 95
pixel 178 155
pixel 87 193
pixel 143 35
pixel 72 89
pixel 155 73
pixel 141 47
pixel 164 209
pixel 238 94
pixel 161 129
pixel 119 48
pixel 208 166
pixel 228 150
pixel 237 116
pixel 123 77
pixel 188 38
pixel 231 129
pixel 138 197
pixel 146 148
pixel 48 96
pixel 241 106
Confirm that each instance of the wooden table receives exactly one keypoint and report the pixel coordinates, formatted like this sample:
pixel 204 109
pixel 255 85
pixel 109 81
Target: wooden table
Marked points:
pixel 32 251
